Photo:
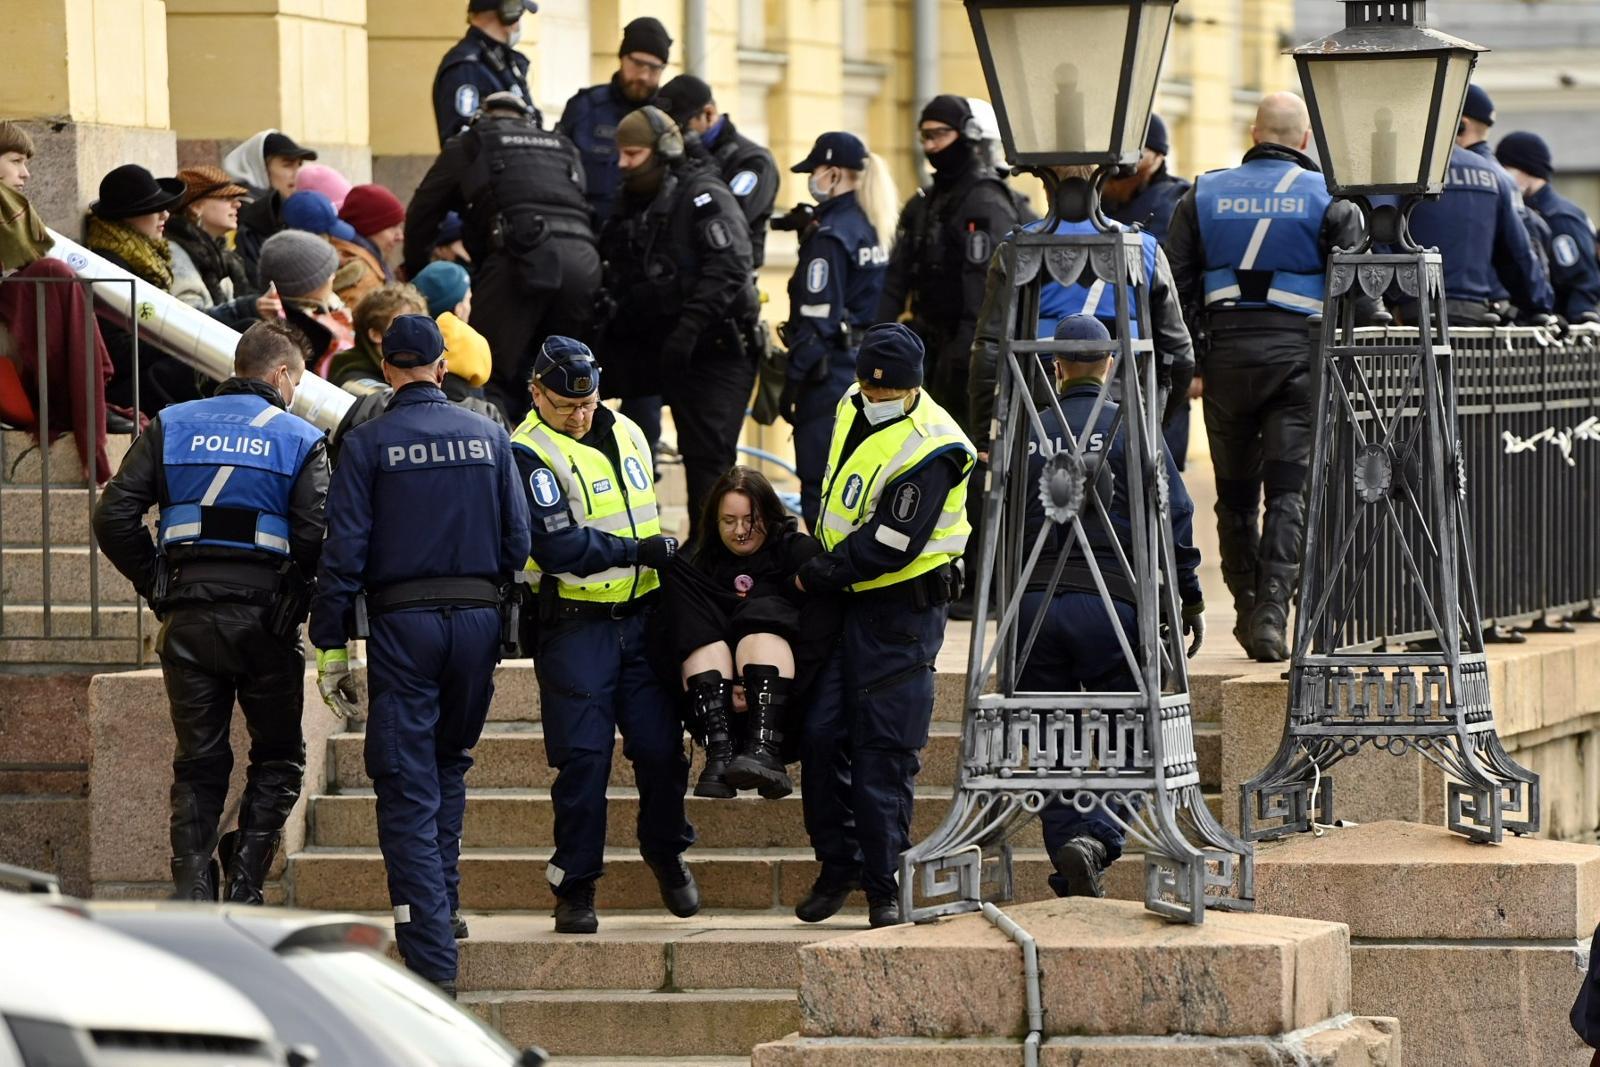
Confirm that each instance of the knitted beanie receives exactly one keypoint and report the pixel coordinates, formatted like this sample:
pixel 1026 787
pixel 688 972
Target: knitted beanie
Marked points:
pixel 298 263
pixel 372 208
pixel 442 285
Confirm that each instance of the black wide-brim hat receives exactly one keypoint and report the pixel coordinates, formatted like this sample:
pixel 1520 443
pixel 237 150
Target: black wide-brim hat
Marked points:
pixel 131 191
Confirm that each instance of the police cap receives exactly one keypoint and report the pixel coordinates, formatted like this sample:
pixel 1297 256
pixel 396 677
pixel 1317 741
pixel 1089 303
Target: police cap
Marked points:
pixel 497 5
pixel 834 149
pixel 890 356
pixel 412 341
pixel 566 367
pixel 1084 328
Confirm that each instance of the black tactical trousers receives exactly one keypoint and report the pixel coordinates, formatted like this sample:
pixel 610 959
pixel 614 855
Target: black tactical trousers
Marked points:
pixel 515 319
pixel 212 655
pixel 708 405
pixel 1258 410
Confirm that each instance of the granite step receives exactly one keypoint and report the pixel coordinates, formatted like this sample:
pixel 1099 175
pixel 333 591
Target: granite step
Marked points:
pixel 22 461
pixel 74 570
pixel 725 1022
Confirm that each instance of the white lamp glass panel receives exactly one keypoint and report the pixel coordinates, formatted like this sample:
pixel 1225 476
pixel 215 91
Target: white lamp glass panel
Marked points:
pixel 1154 23
pixel 1058 70
pixel 1375 117
pixel 1457 70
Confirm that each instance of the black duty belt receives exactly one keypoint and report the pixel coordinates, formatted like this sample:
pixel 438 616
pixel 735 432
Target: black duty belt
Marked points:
pixel 590 610
pixel 924 591
pixel 434 593
pixel 260 576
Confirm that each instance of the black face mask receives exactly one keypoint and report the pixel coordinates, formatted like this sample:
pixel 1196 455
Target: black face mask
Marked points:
pixel 646 180
pixel 952 157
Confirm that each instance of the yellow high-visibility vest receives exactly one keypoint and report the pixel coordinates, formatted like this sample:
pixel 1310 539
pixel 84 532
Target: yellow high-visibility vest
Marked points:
pixel 851 486
pixel 620 502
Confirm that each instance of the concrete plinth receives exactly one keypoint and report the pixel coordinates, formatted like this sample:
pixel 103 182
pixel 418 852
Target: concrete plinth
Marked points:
pixel 1119 986
pixel 1476 949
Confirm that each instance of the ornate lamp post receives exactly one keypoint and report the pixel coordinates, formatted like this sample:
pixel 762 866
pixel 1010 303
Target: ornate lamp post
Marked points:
pixel 1388 482
pixel 1073 83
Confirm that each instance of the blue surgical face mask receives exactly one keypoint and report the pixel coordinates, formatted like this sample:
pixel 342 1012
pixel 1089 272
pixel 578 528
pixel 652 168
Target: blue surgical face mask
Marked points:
pixel 878 412
pixel 814 187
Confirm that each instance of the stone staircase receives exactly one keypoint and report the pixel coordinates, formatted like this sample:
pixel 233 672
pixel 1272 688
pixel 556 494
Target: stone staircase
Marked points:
pixel 648 985
pixel 61 602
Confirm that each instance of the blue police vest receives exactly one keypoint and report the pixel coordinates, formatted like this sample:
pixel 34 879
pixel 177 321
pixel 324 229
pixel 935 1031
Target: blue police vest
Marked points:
pixel 590 120
pixel 1057 301
pixel 1463 224
pixel 230 463
pixel 1263 217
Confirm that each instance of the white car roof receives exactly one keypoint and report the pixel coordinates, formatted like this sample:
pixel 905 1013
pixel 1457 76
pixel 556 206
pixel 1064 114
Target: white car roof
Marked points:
pixel 64 968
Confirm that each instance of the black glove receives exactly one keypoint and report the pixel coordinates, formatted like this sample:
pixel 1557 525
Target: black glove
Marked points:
pixel 1194 626
pixel 788 399
pixel 657 550
pixel 1177 392
pixel 676 354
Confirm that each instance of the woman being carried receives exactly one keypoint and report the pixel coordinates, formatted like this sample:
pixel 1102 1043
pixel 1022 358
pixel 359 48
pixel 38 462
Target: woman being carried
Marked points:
pixel 733 612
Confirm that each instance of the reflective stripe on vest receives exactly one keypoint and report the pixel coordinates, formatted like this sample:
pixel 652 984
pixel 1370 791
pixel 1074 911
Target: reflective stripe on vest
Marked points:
pixel 853 485
pixel 1239 209
pixel 1057 301
pixel 622 503
pixel 230 464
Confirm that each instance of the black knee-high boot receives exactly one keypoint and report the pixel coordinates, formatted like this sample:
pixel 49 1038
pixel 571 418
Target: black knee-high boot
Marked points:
pixel 760 765
pixel 712 698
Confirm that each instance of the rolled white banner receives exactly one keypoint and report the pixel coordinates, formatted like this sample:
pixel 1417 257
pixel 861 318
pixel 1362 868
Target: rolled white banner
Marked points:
pixel 186 333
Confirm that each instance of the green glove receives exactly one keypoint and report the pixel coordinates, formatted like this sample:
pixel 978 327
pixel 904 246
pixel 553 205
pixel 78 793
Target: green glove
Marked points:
pixel 335 682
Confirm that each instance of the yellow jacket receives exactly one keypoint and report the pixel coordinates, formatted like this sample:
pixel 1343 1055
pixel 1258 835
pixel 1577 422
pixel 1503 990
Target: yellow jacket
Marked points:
pixel 466 349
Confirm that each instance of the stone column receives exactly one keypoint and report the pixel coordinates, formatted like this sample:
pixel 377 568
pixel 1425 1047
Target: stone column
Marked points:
pixel 240 66
pixel 89 82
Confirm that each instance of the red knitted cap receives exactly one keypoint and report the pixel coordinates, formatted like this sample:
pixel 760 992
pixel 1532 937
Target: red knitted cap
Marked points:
pixel 371 208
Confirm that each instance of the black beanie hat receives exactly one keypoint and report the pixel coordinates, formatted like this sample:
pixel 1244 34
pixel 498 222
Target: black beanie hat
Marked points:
pixel 646 35
pixel 683 98
pixel 953 111
pixel 890 356
pixel 1526 151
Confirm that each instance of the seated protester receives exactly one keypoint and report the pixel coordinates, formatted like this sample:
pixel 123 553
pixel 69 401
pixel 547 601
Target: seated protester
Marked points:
pixel 379 219
pixel 449 245
pixel 362 364
pixel 359 272
pixel 447 287
pixel 732 614
pixel 206 271
pixel 302 267
pixel 1078 647
pixel 77 400
pixel 127 226
pixel 317 178
pixel 268 163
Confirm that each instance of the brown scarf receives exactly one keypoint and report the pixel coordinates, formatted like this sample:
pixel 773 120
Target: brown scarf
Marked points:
pixel 149 258
pixel 23 237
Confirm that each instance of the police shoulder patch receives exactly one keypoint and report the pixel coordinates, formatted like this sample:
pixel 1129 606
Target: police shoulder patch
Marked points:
pixel 852 491
pixel 816 275
pixel 717 234
pixel 979 246
pixel 906 502
pixel 466 100
pixel 743 183
pixel 636 474
pixel 544 487
pixel 1565 250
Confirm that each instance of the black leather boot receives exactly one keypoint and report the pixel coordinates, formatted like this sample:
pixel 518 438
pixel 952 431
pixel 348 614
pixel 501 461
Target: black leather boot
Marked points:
pixel 247 856
pixel 1079 865
pixel 1269 623
pixel 760 765
pixel 574 912
pixel 711 697
pixel 828 894
pixel 194 877
pixel 1239 542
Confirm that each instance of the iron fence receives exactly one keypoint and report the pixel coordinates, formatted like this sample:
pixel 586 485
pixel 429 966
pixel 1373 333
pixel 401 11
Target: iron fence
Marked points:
pixel 1528 408
pixel 15 610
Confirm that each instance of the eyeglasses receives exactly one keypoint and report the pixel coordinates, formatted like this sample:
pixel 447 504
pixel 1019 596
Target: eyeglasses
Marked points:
pixel 566 411
pixel 929 134
pixel 649 66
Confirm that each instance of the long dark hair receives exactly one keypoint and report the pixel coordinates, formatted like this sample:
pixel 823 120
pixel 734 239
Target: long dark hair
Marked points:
pixel 769 510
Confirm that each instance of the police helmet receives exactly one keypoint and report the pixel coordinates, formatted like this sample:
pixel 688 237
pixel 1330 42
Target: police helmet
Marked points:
pixel 508 10
pixel 505 100
pixel 566 367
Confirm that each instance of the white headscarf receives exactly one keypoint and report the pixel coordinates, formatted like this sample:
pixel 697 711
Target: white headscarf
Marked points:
pixel 248 163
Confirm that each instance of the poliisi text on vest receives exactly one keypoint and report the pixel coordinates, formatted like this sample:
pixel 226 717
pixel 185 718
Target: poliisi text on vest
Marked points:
pixel 1263 206
pixel 239 445
pixel 426 453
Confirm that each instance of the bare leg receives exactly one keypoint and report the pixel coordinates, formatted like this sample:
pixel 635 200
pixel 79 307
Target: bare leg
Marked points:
pixel 716 656
pixel 768 649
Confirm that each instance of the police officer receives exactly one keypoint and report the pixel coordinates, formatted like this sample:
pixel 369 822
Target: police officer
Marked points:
pixel 1147 197
pixel 894 520
pixel 991 149
pixel 677 255
pixel 1078 647
pixel 426 526
pixel 748 168
pixel 240 484
pixel 482 63
pixel 942 245
pixel 597 547
pixel 1477 116
pixel 1248 248
pixel 519 190
pixel 832 296
pixel 1574 272
pixel 591 117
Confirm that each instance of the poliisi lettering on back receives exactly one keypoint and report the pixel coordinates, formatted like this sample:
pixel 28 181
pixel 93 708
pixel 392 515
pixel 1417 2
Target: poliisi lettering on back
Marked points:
pixel 446 453
pixel 237 445
pixel 1275 207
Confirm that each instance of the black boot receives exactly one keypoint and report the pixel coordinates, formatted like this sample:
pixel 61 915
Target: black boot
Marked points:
pixel 760 765
pixel 711 696
pixel 575 910
pixel 458 926
pixel 1080 863
pixel 827 896
pixel 1269 623
pixel 247 856
pixel 194 877
pixel 1239 540
pixel 883 912
pixel 678 889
